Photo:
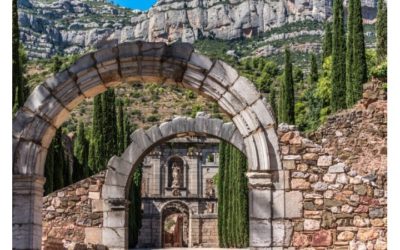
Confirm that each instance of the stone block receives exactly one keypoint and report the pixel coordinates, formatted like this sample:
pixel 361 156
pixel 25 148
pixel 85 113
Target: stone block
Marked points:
pixel 263 114
pixel 282 233
pixel 93 235
pixel 201 125
pixel 376 213
pixel 65 89
pixel 231 104
pixel 114 178
pixel 112 192
pixel 154 134
pixel 300 184
pixel 260 233
pixel 301 240
pixel 94 195
pixel 140 139
pixel 294 204
pixel 29 158
pixel 43 103
pixel 260 204
pixel 31 127
pixel 180 51
pixel 245 90
pixel 337 168
pixel 322 238
pixel 320 186
pixel 289 164
pixel 97 206
pixel 237 141
pixel 128 50
pixel 251 151
pixel 118 164
pixel 262 150
pixel 223 73
pixel 324 161
pixel 312 225
pixel 132 153
pixel 115 219
pixel 227 131
pixel 83 63
pixel 200 62
pixel 115 237
pixel 215 127
pixel 212 89
pixel 330 178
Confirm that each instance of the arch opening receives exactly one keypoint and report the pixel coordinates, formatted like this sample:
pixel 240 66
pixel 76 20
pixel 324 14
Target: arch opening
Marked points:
pixel 50 104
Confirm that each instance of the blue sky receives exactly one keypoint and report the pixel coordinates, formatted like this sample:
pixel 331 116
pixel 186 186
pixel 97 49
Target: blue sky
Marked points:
pixel 135 4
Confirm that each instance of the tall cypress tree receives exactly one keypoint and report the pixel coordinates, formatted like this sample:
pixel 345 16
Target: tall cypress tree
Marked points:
pixel 327 42
pixel 381 31
pixel 81 153
pixel 97 140
pixel 349 54
pixel 272 99
pixel 313 70
pixel 286 94
pixel 49 171
pixel 360 72
pixel 59 161
pixel 17 94
pixel 232 198
pixel 338 96
pixel 220 188
pixel 135 211
pixel 120 127
pixel 109 126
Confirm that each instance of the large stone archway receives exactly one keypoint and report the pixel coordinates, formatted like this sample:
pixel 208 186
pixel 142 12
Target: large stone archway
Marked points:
pixel 50 104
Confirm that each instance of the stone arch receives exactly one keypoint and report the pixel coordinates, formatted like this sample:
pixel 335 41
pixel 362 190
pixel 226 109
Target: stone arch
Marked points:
pixel 51 103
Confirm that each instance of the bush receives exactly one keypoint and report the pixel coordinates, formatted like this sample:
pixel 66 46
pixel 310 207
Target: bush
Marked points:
pixel 153 118
pixel 380 71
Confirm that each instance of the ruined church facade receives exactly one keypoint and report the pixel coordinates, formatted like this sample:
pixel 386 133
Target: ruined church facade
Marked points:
pixel 179 196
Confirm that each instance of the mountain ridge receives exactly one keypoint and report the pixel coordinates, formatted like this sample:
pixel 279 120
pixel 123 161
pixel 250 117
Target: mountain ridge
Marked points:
pixel 50 27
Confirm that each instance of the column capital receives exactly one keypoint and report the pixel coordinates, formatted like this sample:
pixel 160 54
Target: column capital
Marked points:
pixel 259 180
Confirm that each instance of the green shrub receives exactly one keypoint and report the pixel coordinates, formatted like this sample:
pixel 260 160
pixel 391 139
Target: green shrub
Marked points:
pixel 153 118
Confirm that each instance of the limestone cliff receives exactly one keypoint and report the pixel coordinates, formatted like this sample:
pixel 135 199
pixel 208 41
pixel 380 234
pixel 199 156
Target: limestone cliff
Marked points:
pixel 48 27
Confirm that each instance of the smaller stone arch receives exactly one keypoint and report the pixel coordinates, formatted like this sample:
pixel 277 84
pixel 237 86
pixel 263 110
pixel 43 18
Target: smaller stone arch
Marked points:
pixel 173 208
pixel 120 169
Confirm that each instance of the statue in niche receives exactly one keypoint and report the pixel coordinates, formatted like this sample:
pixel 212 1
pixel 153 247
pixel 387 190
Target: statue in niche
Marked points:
pixel 210 191
pixel 210 207
pixel 176 179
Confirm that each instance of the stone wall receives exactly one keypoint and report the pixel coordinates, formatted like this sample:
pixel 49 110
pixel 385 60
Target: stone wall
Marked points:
pixel 335 207
pixel 73 216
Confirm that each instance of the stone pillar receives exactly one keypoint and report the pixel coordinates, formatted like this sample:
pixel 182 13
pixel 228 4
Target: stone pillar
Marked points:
pixel 27 211
pixel 260 211
pixel 115 223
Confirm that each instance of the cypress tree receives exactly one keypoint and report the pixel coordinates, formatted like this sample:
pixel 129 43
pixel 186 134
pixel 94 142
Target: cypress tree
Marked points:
pixel 97 140
pixel 128 129
pixel 120 127
pixel 286 94
pixel 109 127
pixel 17 76
pixel 273 99
pixel 221 178
pixel 59 161
pixel 135 211
pixel 349 55
pixel 381 31
pixel 232 198
pixel 338 97
pixel 313 70
pixel 359 73
pixel 327 42
pixel 81 152
pixel 49 171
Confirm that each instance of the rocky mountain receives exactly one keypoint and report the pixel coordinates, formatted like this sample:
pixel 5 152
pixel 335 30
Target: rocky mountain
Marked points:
pixel 72 26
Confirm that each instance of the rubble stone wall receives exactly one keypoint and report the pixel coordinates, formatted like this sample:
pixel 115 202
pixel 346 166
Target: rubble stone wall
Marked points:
pixel 73 216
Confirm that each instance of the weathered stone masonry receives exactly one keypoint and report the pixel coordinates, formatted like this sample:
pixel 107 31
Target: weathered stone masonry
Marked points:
pixel 50 104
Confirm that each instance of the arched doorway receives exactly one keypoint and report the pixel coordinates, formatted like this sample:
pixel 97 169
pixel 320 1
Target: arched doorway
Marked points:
pixel 175 225
pixel 51 103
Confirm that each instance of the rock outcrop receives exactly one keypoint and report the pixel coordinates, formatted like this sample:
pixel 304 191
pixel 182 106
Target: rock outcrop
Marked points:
pixel 73 26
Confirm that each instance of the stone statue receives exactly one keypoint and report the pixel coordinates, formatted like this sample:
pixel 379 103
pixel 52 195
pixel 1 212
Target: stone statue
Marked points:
pixel 176 176
pixel 176 179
